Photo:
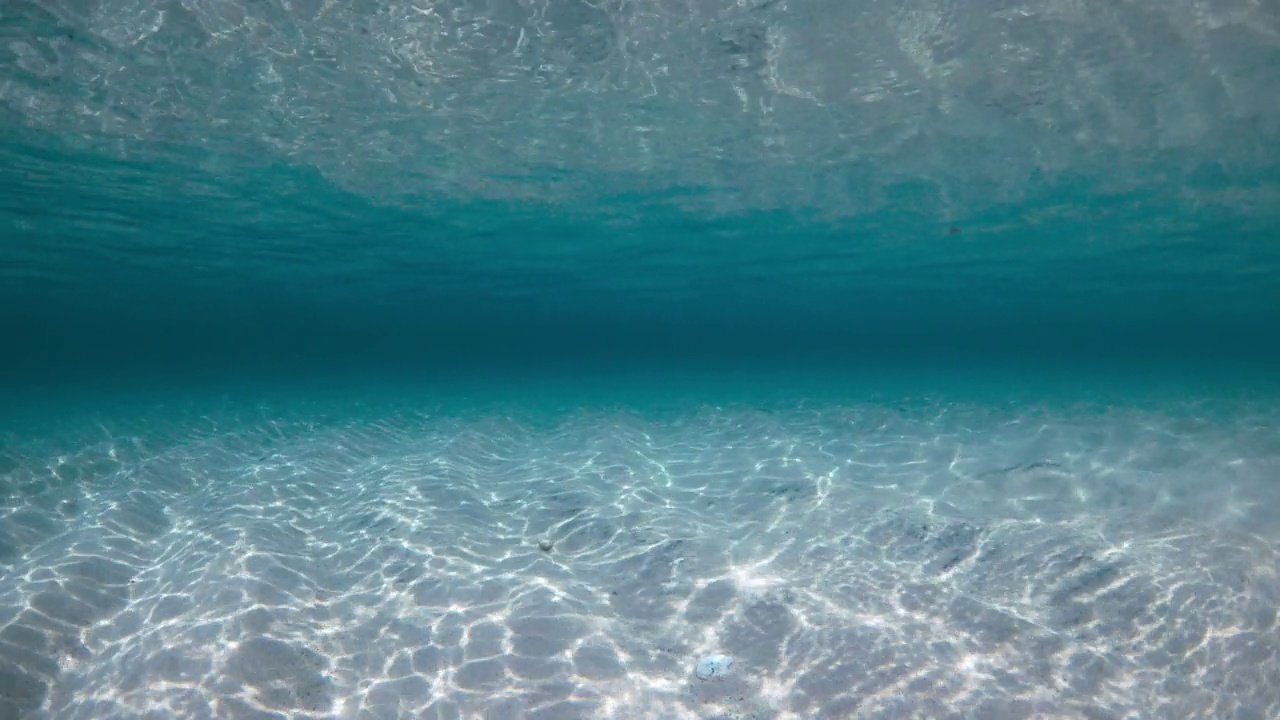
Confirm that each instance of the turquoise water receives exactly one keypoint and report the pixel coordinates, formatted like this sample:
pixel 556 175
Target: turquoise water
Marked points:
pixel 510 359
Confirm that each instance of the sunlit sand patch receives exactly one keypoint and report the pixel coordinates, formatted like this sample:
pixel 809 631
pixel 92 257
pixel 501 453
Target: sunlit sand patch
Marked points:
pixel 752 582
pixel 401 575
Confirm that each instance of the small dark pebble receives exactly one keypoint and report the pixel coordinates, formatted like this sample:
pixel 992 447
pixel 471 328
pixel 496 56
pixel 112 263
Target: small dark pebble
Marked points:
pixel 545 545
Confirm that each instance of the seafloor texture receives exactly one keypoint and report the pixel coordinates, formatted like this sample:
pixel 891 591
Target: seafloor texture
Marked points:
pixel 873 561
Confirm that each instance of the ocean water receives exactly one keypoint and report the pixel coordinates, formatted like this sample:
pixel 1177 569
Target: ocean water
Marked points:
pixel 516 359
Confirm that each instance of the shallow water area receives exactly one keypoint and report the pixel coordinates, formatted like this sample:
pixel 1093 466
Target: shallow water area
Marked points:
pixel 925 557
pixel 534 359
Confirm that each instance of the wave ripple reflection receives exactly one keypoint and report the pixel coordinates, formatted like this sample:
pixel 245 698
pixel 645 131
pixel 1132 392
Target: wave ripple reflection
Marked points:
pixel 855 561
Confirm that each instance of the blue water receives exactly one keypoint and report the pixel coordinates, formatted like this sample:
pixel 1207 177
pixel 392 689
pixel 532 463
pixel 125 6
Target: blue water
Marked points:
pixel 514 359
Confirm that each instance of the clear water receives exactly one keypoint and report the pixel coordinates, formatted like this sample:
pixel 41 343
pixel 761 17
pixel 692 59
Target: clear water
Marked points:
pixel 505 359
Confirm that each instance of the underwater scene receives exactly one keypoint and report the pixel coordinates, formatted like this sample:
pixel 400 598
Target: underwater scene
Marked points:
pixel 639 359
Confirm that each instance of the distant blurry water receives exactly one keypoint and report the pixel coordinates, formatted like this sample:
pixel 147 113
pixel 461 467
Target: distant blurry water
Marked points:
pixel 231 184
pixel 114 266
pixel 502 359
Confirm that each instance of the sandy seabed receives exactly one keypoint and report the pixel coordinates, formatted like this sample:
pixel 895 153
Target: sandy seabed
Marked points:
pixel 921 560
